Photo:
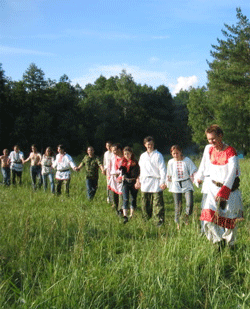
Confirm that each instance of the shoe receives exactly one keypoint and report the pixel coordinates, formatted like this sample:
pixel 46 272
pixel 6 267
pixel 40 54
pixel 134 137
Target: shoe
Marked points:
pixel 120 212
pixel 125 219
pixel 160 223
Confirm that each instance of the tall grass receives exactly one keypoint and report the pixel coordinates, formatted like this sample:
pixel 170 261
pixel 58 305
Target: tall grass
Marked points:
pixel 68 252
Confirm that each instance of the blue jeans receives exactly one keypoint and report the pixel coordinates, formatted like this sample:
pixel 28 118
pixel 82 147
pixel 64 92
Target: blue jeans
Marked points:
pixel 6 175
pixel 35 171
pixel 91 185
pixel 51 179
pixel 178 204
pixel 126 189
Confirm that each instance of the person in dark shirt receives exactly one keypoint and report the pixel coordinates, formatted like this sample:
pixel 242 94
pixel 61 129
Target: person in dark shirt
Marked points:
pixel 130 172
pixel 92 164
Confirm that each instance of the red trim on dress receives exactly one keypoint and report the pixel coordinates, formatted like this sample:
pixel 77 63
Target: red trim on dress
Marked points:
pixel 209 215
pixel 118 162
pixel 224 192
pixel 222 157
pixel 114 190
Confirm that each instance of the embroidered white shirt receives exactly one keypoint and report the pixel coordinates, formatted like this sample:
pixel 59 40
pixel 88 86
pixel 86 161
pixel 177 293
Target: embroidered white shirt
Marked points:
pixel 152 171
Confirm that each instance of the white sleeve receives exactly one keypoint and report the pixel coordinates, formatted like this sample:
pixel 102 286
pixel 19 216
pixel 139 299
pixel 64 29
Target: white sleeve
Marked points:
pixel 162 169
pixel 204 165
pixel 232 169
pixel 105 161
pixel 54 163
pixel 71 162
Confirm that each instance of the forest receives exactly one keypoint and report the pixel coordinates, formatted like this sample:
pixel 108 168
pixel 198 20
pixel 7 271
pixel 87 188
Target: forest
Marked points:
pixel 45 112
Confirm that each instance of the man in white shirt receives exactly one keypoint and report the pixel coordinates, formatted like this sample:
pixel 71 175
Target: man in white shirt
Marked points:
pixel 106 159
pixel 16 164
pixel 152 181
pixel 63 163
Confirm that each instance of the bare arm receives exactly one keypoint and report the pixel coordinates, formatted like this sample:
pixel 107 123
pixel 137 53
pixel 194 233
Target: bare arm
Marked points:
pixel 28 159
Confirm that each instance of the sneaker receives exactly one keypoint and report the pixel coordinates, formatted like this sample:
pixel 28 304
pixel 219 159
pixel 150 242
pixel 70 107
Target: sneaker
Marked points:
pixel 125 219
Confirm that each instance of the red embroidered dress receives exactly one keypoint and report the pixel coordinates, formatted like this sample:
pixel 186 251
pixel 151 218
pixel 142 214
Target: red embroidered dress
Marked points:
pixel 224 168
pixel 115 174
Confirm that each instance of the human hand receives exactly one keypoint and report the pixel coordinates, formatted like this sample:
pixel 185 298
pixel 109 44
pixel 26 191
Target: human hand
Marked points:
pixel 137 185
pixel 163 186
pixel 219 199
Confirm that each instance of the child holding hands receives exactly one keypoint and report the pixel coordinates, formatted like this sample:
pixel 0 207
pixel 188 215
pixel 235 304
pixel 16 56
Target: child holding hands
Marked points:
pixel 180 175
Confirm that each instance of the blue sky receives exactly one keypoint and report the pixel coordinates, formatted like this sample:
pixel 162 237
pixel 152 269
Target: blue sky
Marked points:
pixel 156 41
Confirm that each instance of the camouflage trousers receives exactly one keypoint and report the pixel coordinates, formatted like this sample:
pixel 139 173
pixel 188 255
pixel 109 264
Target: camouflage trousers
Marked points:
pixel 152 205
pixel 59 186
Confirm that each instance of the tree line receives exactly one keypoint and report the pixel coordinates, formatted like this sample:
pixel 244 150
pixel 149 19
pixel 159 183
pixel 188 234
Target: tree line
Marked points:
pixel 46 112
pixel 226 98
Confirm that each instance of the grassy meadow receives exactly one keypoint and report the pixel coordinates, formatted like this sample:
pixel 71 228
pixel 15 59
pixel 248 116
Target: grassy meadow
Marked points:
pixel 67 252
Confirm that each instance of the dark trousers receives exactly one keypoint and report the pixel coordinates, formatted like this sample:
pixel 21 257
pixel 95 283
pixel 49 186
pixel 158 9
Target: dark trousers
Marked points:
pixel 115 200
pixel 128 189
pixel 35 172
pixel 59 184
pixel 15 174
pixel 91 185
pixel 178 204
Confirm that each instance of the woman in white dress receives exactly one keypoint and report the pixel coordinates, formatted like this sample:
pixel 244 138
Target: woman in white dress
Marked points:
pixel 223 205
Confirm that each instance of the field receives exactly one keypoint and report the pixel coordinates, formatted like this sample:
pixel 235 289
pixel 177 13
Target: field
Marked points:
pixel 67 252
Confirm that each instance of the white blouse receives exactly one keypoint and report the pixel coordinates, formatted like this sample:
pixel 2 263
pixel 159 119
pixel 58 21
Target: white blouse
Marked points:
pixel 179 175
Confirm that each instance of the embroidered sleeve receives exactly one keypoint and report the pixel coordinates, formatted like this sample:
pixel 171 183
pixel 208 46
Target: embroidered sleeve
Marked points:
pixel 228 183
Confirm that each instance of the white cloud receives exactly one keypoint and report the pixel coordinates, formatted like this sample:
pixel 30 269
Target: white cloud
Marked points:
pixel 13 50
pixel 184 83
pixel 151 78
pixel 154 59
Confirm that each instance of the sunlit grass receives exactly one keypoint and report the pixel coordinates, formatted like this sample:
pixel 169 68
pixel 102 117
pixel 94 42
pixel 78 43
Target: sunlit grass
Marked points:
pixel 67 252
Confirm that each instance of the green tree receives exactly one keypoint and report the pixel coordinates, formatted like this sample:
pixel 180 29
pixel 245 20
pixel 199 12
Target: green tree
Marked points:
pixel 34 78
pixel 229 82
pixel 121 110
pixel 3 105
pixel 181 132
pixel 201 113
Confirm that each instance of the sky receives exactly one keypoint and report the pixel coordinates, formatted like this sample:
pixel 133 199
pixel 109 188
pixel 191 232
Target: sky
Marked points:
pixel 158 42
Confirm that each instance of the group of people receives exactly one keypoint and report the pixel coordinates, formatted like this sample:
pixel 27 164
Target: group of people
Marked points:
pixel 125 176
pixel 41 167
pixel 218 173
